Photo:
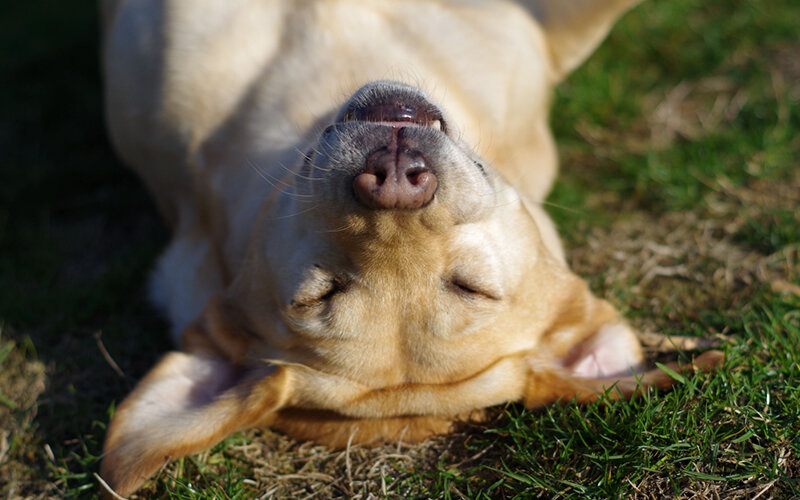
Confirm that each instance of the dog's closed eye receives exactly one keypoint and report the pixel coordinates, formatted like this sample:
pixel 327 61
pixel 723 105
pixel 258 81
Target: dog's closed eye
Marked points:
pixel 471 289
pixel 317 290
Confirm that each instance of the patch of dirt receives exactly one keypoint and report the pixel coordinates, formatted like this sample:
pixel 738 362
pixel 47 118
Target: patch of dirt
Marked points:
pixel 284 468
pixel 22 382
pixel 690 111
pixel 786 63
pixel 693 109
pixel 682 263
pixel 661 487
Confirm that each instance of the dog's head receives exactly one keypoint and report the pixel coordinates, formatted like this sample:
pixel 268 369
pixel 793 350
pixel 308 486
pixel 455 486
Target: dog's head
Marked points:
pixel 397 255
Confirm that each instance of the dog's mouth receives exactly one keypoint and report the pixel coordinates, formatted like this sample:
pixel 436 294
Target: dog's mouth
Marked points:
pixel 392 104
pixel 397 113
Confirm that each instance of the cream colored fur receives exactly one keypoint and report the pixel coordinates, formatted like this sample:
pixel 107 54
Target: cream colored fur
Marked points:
pixel 293 305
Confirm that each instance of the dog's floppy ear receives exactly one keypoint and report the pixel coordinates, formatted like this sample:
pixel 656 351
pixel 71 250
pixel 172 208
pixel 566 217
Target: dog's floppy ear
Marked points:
pixel 574 28
pixel 188 402
pixel 588 350
pixel 584 380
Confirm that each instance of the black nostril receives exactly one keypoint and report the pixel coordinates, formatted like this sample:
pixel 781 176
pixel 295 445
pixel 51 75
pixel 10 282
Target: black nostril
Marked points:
pixel 380 176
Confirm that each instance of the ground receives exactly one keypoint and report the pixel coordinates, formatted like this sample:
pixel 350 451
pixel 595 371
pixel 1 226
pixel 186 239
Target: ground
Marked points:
pixel 679 201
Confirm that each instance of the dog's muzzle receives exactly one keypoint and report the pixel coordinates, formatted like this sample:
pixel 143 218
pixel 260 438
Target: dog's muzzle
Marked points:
pixel 396 175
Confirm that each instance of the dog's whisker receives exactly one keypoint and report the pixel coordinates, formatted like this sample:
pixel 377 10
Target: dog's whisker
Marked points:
pixel 326 143
pixel 295 214
pixel 288 189
pixel 504 204
pixel 313 149
pixel 274 180
pixel 317 152
pixel 306 155
pixel 322 170
pixel 337 229
pixel 561 207
pixel 298 175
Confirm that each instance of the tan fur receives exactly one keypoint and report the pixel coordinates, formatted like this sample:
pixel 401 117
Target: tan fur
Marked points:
pixel 336 431
pixel 295 306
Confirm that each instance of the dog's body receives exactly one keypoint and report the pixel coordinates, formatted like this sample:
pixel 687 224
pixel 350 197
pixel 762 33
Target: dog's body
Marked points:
pixel 378 265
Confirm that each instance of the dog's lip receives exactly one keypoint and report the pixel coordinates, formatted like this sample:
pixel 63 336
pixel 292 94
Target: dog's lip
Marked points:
pixel 397 115
pixel 400 124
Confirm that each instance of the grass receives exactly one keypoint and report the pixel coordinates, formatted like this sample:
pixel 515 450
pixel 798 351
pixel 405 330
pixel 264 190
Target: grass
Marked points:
pixel 679 202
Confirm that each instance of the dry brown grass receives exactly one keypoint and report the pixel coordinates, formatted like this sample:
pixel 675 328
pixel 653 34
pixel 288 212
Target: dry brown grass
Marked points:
pixel 22 381
pixel 280 467
pixel 684 262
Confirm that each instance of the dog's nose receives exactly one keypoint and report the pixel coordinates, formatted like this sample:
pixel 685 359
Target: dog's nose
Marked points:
pixel 395 177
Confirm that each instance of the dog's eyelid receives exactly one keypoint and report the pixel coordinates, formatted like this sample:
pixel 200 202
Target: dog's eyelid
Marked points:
pixel 470 289
pixel 320 288
pixel 330 293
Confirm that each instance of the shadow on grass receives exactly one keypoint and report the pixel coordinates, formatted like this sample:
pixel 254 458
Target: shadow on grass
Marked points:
pixel 78 236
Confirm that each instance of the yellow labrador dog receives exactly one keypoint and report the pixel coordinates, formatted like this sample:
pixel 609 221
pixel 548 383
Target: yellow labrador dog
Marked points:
pixel 354 192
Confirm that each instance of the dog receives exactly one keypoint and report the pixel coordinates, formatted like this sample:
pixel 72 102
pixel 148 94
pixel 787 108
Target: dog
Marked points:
pixel 354 191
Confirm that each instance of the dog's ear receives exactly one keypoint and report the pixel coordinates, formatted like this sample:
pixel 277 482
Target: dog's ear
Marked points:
pixel 546 384
pixel 574 28
pixel 188 402
pixel 588 350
